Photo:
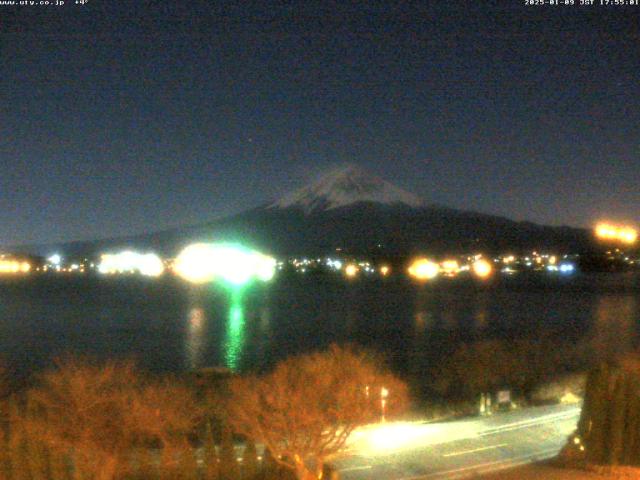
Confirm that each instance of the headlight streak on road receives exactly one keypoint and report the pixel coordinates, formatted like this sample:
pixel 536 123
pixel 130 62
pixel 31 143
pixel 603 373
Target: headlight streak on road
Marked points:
pixel 488 467
pixel 458 449
pixel 532 421
pixel 388 438
pixel 474 450
pixel 376 439
pixel 476 469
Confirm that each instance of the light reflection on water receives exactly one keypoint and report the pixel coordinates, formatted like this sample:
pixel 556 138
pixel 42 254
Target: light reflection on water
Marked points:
pixel 235 331
pixel 481 314
pixel 195 341
pixel 205 325
pixel 423 317
pixel 169 327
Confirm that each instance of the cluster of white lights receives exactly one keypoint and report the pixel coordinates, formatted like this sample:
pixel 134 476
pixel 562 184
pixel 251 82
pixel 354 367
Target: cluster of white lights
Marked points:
pixel 334 264
pixel 534 260
pixel 148 264
pixel 55 259
pixel 366 267
pixel 302 265
pixel 206 262
pixel 565 267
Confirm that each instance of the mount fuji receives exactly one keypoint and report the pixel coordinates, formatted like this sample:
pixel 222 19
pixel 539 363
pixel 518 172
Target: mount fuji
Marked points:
pixel 357 212
pixel 346 186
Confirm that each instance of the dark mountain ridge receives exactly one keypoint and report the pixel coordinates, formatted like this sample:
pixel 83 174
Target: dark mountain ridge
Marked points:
pixel 355 212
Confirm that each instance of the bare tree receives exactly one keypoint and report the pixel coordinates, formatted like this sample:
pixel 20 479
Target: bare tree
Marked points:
pixel 5 456
pixel 523 364
pixel 305 410
pixel 475 368
pixel 610 419
pixel 97 414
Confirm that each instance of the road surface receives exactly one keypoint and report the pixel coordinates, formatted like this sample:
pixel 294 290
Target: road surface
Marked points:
pixel 457 449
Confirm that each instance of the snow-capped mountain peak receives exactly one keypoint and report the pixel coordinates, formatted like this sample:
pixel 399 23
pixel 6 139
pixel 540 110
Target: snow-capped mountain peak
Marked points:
pixel 345 186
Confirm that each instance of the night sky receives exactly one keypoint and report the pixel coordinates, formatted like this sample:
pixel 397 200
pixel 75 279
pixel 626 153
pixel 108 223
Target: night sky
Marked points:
pixel 120 117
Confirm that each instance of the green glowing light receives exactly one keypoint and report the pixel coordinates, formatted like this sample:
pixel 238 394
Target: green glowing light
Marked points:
pixel 233 264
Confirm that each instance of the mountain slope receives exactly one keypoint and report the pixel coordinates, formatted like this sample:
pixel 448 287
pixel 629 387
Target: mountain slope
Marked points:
pixel 344 186
pixel 359 213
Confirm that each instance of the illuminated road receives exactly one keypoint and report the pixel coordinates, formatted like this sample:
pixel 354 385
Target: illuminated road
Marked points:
pixel 458 449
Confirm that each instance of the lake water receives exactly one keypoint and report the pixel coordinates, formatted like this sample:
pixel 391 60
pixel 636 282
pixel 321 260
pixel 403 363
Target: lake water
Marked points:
pixel 167 325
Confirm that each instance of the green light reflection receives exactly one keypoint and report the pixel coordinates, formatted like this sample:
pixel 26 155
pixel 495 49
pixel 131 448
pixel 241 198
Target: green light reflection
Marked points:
pixel 235 334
